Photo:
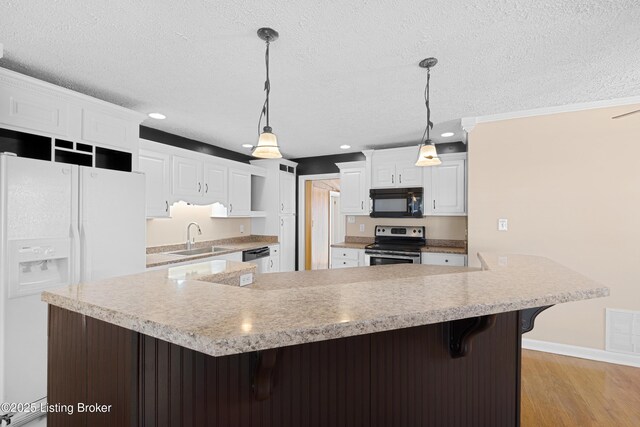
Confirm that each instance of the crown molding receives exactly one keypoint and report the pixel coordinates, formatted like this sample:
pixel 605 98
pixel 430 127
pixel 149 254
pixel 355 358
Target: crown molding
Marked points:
pixel 469 123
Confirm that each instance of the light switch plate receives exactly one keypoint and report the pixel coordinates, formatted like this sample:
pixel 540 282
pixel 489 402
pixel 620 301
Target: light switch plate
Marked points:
pixel 351 219
pixel 241 228
pixel 361 228
pixel 503 224
pixel 246 279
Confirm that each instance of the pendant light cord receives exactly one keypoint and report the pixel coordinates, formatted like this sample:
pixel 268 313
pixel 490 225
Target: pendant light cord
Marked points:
pixel 267 88
pixel 426 103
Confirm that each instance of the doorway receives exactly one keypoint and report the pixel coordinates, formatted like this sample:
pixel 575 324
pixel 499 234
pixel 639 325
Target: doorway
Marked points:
pixel 322 223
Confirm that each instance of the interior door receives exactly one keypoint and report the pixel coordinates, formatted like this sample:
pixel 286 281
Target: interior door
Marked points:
pixel 112 223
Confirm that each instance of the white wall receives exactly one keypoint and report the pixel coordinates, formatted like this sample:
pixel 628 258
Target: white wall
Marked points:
pixel 569 184
pixel 166 231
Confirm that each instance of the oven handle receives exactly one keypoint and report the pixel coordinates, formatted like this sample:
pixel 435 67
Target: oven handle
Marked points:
pixel 378 255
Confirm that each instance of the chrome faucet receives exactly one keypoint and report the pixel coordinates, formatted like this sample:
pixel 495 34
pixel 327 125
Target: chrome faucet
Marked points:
pixel 189 242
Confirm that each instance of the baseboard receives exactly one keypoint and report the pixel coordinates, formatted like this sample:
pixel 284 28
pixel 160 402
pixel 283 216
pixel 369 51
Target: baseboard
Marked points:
pixel 582 352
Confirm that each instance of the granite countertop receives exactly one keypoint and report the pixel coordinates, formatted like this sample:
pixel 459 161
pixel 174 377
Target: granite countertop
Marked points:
pixel 160 255
pixel 221 320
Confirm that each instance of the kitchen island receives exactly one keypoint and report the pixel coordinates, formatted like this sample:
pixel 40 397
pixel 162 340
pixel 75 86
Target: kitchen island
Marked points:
pixel 396 345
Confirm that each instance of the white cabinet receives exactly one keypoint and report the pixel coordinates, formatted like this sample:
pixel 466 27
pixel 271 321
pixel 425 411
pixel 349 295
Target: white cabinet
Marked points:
pixel 239 193
pixel 274 259
pixel 354 197
pixel 157 170
pixel 33 110
pixel 102 127
pixel 287 239
pixel 395 168
pixel 287 184
pixel 457 260
pixel 215 184
pixel 187 177
pixel 346 257
pixel 445 186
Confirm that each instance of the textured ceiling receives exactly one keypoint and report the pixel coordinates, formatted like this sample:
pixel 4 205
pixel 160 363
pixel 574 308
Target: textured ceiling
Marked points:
pixel 342 72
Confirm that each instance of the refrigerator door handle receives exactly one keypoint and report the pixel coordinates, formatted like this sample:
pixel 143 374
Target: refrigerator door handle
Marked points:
pixel 75 256
pixel 86 252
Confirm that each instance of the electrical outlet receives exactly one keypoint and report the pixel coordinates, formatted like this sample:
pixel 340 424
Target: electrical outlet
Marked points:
pixel 361 228
pixel 351 219
pixel 246 279
pixel 241 228
pixel 503 224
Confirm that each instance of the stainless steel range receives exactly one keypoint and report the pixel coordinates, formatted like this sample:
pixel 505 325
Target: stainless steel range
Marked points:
pixel 396 245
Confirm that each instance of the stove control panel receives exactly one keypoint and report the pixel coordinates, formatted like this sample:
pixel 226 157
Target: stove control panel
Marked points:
pixel 399 231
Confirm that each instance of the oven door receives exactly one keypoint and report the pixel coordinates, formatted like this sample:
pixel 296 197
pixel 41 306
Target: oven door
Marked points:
pixel 386 259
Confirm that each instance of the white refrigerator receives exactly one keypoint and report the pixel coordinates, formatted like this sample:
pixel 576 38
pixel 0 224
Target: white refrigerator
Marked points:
pixel 60 224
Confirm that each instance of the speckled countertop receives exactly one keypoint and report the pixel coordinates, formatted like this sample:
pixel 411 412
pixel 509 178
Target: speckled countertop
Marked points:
pixel 221 320
pixel 160 255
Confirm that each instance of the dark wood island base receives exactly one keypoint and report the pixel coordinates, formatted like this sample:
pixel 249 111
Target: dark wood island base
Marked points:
pixel 419 376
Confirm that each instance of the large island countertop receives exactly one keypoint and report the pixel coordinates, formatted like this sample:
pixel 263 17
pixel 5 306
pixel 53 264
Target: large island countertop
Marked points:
pixel 301 307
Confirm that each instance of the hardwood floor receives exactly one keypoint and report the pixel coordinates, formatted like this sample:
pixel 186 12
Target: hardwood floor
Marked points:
pixel 567 391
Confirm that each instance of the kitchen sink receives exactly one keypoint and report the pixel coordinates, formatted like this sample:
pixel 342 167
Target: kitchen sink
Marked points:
pixel 200 251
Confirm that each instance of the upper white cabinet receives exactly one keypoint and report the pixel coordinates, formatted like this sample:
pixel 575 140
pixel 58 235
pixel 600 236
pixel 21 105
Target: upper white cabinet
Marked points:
pixel 239 193
pixel 34 110
pixel 216 186
pixel 157 170
pixel 287 184
pixel 395 168
pixel 445 186
pixel 108 128
pixel 187 176
pixel 354 194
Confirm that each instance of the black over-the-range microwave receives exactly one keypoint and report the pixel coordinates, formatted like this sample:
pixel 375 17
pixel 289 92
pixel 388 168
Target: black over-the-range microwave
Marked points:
pixel 396 202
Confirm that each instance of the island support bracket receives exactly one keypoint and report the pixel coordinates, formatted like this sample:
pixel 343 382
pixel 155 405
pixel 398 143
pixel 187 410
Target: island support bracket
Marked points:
pixel 528 317
pixel 459 333
pixel 265 362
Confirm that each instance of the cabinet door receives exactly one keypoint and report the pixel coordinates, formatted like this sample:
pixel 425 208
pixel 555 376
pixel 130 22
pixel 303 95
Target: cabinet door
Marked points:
pixel 287 240
pixel 274 259
pixel 187 177
pixel 239 193
pixel 287 193
pixel 215 184
pixel 156 168
pixel 458 260
pixel 353 197
pixel 31 110
pixel 448 188
pixel 103 128
pixel 408 174
pixel 383 174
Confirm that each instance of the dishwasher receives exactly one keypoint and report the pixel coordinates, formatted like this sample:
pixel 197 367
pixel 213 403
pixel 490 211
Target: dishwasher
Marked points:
pixel 259 257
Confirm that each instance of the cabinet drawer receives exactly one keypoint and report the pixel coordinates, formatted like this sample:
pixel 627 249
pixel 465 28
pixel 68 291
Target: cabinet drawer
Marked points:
pixel 343 263
pixel 275 250
pixel 344 254
pixel 457 260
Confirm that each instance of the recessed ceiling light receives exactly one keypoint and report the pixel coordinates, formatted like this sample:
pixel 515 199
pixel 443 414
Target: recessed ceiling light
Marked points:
pixel 345 147
pixel 247 145
pixel 447 134
pixel 157 116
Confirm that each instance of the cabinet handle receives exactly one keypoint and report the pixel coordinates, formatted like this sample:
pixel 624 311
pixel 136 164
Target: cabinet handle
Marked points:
pixel 446 260
pixel 362 204
pixel 206 187
pixel 282 222
pixel 392 179
pixel 199 187
pixel 434 204
pixel 166 209
pixel 230 207
pixel 271 263
pixel 282 206
pixel 400 177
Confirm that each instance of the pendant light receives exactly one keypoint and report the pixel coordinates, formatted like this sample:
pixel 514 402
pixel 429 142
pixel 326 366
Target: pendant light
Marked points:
pixel 428 156
pixel 267 147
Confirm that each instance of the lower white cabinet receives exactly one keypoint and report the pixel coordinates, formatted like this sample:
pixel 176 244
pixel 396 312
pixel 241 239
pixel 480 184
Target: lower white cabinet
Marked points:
pixel 456 260
pixel 274 259
pixel 347 257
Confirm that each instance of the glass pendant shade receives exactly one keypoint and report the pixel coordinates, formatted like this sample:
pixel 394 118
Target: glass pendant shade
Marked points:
pixel 267 147
pixel 428 156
